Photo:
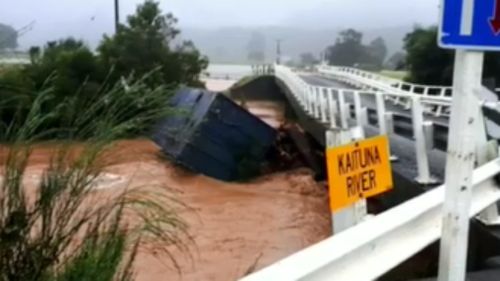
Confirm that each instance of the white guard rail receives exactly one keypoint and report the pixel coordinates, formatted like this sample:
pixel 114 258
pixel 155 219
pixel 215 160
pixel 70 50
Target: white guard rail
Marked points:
pixel 365 79
pixel 377 245
pixel 329 106
pixel 372 248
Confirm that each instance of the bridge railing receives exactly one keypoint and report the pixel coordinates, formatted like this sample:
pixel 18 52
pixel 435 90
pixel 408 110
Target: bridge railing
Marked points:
pixel 332 106
pixel 370 249
pixel 262 69
pixel 374 247
pixel 364 79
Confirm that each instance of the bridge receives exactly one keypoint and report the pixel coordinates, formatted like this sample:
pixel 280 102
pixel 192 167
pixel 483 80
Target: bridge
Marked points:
pixel 416 119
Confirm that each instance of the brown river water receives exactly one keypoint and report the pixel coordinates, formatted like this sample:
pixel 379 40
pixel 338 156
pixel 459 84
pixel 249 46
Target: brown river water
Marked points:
pixel 235 227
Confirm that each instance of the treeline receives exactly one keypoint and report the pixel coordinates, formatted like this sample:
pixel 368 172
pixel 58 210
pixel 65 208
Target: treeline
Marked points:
pixel 429 64
pixel 72 76
pixel 423 60
pixel 349 50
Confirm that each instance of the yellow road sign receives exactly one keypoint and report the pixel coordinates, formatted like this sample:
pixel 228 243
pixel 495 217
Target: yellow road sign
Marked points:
pixel 358 170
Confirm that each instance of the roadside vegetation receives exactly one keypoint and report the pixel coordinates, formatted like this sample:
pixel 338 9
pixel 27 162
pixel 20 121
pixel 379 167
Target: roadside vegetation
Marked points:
pixel 59 227
pixel 142 49
pixel 349 50
pixel 421 61
pixel 396 74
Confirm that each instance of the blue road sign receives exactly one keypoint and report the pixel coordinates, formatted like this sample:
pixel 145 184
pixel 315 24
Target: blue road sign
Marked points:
pixel 470 24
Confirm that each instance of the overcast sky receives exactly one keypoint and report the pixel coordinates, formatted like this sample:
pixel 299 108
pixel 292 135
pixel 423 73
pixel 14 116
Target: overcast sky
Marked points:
pixel 88 19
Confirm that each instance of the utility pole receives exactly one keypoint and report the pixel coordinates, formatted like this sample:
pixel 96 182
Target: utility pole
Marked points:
pixel 278 51
pixel 117 15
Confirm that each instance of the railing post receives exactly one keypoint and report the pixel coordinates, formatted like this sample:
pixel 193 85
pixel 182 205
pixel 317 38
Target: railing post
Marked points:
pixel 389 122
pixel 439 108
pixel 317 102
pixel 408 103
pixel 312 100
pixel 364 116
pixel 424 173
pixel 357 108
pixel 426 91
pixel 381 113
pixel 306 98
pixel 324 104
pixel 485 152
pixel 344 110
pixel 332 104
pixel 429 135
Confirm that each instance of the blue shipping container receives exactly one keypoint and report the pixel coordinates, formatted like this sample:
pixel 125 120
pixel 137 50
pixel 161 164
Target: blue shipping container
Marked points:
pixel 212 135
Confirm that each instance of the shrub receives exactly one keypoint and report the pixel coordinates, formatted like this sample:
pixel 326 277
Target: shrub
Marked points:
pixel 60 231
pixel 147 42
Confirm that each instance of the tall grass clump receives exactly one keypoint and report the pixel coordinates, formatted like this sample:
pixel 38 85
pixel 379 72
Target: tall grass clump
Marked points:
pixel 59 228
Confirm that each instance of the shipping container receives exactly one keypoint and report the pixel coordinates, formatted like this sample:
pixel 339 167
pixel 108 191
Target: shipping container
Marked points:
pixel 210 134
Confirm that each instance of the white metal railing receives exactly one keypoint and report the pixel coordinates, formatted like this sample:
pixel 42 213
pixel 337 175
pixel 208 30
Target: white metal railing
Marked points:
pixel 373 247
pixel 364 79
pixel 326 103
pixel 262 69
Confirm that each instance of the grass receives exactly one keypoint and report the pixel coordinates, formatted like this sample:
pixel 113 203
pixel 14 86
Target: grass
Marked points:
pixel 400 75
pixel 63 230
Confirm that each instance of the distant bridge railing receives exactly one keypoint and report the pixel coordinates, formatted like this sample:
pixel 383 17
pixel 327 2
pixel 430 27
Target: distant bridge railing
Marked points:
pixel 370 249
pixel 364 79
pixel 262 69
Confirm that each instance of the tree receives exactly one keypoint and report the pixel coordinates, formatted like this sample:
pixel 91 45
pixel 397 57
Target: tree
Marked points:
pixel 307 59
pixel 8 37
pixel 70 63
pixel 146 43
pixel 430 64
pixel 426 62
pixel 348 49
pixel 377 50
pixel 256 48
pixel 396 62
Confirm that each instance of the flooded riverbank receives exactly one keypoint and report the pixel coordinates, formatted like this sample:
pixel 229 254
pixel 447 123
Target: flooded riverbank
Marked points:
pixel 235 227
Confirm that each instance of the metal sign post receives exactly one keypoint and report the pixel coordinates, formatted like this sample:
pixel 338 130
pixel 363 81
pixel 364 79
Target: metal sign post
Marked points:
pixel 459 165
pixel 471 27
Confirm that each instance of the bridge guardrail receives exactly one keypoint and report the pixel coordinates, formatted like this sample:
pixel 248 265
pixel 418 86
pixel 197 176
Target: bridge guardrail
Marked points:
pixel 325 103
pixel 382 242
pixel 372 248
pixel 365 79
pixel 263 69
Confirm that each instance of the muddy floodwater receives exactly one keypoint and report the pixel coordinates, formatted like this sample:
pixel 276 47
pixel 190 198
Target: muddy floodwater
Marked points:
pixel 235 227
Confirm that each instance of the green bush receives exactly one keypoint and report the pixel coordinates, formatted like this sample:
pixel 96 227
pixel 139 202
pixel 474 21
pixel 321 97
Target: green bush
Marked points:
pixel 146 42
pixel 57 231
pixel 69 71
pixel 429 64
